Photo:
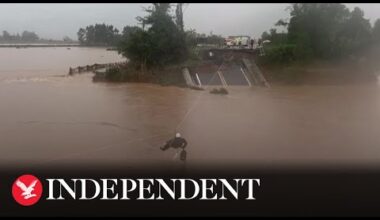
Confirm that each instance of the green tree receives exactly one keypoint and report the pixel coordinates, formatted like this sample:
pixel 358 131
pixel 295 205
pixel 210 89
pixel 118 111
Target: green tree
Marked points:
pixel 265 36
pixel 161 44
pixel 98 35
pixel 82 35
pixel 328 30
pixel 127 30
pixel 274 37
pixel 26 36
pixel 355 34
pixel 29 36
pixel 316 26
pixel 138 48
pixel 376 31
pixel 6 35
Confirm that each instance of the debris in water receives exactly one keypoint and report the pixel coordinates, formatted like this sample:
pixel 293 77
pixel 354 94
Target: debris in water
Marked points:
pixel 221 91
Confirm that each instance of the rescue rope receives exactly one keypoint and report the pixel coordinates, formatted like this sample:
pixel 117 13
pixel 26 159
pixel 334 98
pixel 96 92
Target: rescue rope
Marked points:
pixel 196 101
pixel 146 138
pixel 105 147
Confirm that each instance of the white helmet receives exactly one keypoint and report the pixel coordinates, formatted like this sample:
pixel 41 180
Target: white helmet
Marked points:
pixel 177 135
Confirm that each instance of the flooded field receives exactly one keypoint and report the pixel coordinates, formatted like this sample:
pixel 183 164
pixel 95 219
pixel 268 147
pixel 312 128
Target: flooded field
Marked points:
pixel 49 119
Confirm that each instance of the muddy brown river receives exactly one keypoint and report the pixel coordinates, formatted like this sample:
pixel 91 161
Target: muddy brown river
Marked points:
pixel 50 119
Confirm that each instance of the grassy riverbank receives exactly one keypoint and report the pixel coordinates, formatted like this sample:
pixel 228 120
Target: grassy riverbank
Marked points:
pixel 163 75
pixel 171 75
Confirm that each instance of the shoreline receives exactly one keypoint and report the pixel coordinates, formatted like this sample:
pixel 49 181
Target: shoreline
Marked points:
pixel 49 45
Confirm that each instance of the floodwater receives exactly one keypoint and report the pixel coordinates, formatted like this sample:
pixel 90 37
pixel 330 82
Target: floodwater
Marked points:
pixel 50 119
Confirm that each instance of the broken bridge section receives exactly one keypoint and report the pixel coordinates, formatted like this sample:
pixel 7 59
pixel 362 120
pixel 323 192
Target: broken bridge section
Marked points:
pixel 234 76
pixel 223 67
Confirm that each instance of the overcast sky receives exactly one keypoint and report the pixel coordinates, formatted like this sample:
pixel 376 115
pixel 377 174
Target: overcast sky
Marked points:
pixel 58 20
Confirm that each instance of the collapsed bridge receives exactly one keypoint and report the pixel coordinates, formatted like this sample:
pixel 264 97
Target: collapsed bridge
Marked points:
pixel 226 67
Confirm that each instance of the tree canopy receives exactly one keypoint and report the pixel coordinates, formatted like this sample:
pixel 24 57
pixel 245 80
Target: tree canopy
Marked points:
pixel 376 31
pixel 324 30
pixel 26 36
pixel 99 35
pixel 159 42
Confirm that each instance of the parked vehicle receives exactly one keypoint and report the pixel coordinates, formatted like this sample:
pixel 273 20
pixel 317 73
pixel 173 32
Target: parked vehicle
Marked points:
pixel 237 42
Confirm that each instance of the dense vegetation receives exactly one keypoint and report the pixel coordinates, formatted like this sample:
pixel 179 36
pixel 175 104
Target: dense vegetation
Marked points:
pixel 26 36
pixel 29 37
pixel 320 31
pixel 99 35
pixel 160 43
pixel 328 31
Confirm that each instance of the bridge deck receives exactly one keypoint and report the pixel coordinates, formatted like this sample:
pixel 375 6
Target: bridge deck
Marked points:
pixel 233 76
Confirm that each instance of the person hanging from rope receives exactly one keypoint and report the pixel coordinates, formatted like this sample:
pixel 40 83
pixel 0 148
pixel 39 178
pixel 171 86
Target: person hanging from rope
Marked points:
pixel 177 143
